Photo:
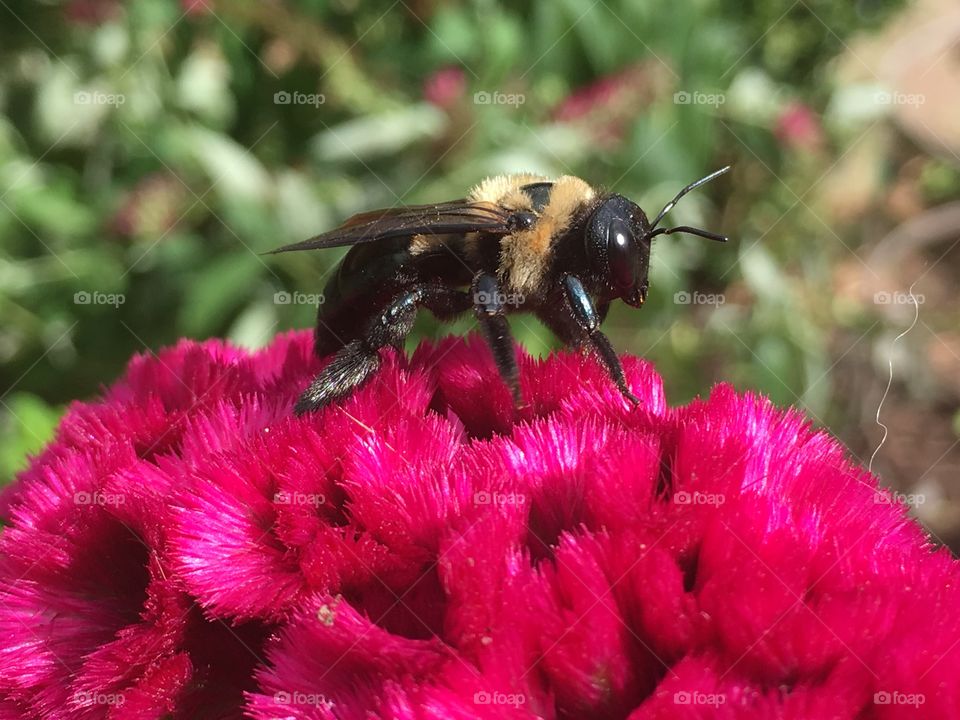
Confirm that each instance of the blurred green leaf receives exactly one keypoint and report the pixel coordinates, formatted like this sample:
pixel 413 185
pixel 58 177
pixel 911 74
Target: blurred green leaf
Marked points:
pixel 215 290
pixel 28 423
pixel 204 85
pixel 376 135
pixel 233 171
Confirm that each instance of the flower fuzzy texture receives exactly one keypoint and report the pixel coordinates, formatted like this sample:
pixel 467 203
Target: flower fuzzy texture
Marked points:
pixel 186 547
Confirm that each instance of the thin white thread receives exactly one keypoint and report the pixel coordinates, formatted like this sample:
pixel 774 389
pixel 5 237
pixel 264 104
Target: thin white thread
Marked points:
pixel 916 318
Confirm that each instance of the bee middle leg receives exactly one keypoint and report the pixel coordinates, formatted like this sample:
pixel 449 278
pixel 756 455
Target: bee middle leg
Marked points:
pixel 577 322
pixel 489 307
pixel 356 361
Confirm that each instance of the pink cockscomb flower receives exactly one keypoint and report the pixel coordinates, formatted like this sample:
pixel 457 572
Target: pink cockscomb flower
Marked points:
pixel 187 547
pixel 93 620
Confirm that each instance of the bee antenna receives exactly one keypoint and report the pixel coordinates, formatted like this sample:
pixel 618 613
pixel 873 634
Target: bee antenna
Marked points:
pixel 700 232
pixel 670 205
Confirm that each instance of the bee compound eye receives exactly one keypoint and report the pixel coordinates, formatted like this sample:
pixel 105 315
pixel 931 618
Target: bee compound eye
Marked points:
pixel 622 253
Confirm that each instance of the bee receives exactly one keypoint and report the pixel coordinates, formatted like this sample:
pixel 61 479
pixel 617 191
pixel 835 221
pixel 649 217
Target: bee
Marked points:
pixel 560 249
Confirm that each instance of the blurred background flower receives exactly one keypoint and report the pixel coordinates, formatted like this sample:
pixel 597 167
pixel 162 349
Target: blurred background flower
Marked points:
pixel 150 150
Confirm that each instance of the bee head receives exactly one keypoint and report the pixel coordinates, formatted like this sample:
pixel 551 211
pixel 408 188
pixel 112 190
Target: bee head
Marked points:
pixel 618 241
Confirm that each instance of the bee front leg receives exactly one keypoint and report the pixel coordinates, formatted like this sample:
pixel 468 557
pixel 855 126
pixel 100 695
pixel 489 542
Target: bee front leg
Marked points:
pixel 356 361
pixel 584 314
pixel 489 306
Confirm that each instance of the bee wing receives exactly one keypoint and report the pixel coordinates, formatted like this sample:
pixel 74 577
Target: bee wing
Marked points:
pixel 456 216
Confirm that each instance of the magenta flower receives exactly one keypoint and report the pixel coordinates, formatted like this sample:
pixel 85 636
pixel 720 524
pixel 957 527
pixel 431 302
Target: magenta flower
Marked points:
pixel 187 547
pixel 93 620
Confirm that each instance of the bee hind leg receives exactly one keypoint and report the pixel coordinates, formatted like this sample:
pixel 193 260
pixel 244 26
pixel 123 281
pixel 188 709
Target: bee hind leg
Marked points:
pixel 356 361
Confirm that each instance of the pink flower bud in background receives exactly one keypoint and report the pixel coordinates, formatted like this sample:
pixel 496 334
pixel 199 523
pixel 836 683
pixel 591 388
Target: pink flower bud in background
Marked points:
pixel 798 128
pixel 606 108
pixel 152 207
pixel 445 87
pixel 197 7
pixel 91 12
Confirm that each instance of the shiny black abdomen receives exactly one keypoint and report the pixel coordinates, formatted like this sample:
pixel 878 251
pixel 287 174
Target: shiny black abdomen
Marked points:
pixel 371 275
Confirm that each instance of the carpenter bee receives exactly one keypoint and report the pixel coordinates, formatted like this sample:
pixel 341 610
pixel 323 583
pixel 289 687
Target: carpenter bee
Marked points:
pixel 560 249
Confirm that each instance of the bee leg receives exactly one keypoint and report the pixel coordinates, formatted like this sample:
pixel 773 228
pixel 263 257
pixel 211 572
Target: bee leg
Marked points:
pixel 490 309
pixel 350 367
pixel 588 319
pixel 356 361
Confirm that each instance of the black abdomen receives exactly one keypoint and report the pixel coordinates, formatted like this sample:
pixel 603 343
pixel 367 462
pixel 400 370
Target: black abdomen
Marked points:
pixel 370 276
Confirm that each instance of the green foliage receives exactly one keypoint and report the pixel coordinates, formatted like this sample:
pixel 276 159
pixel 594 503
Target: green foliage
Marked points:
pixel 28 425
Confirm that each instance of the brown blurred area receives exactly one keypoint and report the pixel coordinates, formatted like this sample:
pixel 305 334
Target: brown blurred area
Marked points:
pixel 908 245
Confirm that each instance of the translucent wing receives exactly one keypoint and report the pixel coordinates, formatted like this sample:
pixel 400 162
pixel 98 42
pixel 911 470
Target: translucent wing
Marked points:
pixel 456 216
